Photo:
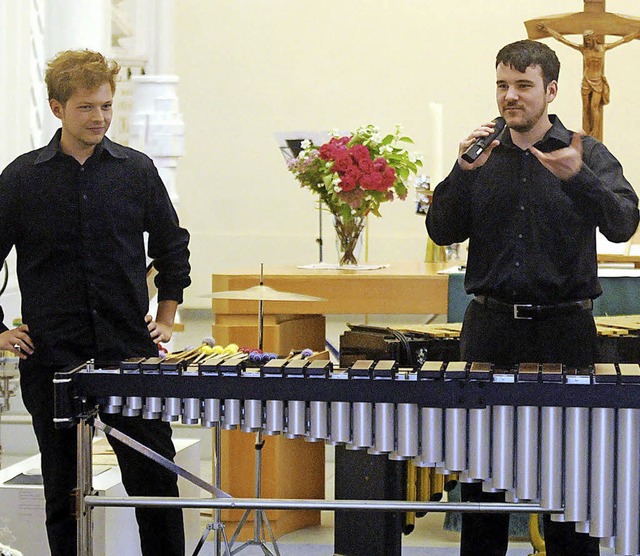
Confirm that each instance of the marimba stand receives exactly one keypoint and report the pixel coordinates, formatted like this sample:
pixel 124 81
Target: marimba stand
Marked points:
pixel 260 519
pixel 86 424
pixel 217 526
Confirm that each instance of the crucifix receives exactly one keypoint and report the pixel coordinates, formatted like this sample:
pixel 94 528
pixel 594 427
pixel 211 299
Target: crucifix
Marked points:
pixel 594 24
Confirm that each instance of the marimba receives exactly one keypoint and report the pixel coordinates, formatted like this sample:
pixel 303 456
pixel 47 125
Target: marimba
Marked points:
pixel 565 438
pixel 618 341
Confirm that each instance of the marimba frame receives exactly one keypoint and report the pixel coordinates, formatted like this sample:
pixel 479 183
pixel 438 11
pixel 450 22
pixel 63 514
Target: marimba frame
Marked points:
pixel 586 391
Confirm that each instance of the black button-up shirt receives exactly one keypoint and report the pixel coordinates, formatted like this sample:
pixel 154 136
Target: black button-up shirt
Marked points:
pixel 79 232
pixel 532 236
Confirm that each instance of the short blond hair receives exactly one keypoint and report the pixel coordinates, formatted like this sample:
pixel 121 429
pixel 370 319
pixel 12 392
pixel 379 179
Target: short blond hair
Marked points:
pixel 71 70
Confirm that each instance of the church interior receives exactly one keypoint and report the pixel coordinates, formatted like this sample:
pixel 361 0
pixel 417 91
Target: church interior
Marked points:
pixel 222 96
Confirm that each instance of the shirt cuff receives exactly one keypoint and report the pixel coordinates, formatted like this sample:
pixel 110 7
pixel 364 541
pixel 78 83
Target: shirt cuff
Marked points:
pixel 170 295
pixel 585 180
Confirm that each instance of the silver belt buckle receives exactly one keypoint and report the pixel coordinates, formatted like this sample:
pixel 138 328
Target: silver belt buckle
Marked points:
pixel 518 306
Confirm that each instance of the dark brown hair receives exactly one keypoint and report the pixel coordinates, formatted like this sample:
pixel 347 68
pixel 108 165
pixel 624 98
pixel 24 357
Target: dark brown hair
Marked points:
pixel 525 53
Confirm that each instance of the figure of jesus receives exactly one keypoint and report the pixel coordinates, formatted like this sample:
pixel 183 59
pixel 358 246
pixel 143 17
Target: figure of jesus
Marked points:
pixel 595 88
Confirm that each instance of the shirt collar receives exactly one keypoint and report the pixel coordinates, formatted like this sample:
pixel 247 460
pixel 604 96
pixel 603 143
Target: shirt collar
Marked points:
pixel 53 148
pixel 556 137
pixel 557 132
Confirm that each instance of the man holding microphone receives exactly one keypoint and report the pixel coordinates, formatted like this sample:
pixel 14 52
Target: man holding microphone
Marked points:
pixel 529 204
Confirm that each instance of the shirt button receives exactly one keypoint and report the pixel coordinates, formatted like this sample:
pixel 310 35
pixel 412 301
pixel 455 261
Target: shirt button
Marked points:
pixel 521 207
pixel 84 197
pixel 517 263
pixel 519 236
pixel 82 168
pixel 94 312
pixel 524 180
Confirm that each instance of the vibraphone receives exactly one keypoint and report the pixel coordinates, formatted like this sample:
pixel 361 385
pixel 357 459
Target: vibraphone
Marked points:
pixel 566 440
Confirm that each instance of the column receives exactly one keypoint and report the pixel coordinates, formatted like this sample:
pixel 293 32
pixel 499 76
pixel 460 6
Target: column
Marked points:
pixel 74 24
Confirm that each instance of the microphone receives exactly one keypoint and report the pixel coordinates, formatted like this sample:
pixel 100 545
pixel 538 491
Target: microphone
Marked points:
pixel 475 150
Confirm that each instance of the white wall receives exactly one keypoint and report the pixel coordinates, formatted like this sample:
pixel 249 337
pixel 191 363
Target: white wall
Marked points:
pixel 15 111
pixel 14 79
pixel 249 68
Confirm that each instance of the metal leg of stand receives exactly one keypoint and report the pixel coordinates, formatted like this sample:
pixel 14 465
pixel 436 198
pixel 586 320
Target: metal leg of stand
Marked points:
pixel 219 533
pixel 260 518
pixel 84 488
pixel 218 529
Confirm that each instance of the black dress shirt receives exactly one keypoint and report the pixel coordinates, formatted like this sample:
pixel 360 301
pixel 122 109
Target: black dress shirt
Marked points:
pixel 79 232
pixel 532 236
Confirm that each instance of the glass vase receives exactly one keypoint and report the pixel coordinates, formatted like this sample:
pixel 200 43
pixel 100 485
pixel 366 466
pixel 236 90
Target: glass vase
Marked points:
pixel 349 238
pixel 435 253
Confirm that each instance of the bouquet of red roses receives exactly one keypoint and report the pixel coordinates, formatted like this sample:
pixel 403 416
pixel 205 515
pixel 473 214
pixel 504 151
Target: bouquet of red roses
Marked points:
pixel 354 174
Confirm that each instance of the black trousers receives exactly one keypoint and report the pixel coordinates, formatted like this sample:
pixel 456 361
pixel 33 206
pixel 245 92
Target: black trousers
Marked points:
pixel 496 337
pixel 161 530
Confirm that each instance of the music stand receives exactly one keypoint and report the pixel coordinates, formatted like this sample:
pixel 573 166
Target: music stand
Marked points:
pixel 290 144
pixel 260 293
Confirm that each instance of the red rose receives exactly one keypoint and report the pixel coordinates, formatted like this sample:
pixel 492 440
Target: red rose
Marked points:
pixel 365 165
pixel 380 164
pixel 378 181
pixel 372 181
pixel 343 162
pixel 354 172
pixel 326 151
pixel 359 152
pixel 336 145
pixel 389 177
pixel 365 181
pixel 347 183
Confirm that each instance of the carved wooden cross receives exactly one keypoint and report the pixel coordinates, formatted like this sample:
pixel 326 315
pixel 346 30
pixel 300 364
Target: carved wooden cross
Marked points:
pixel 594 24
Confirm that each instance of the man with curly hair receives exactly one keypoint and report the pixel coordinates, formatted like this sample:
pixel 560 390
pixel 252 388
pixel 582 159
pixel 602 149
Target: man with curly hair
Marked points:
pixel 77 211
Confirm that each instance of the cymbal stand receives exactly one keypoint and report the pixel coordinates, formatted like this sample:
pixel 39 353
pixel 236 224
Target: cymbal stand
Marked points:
pixel 319 239
pixel 217 526
pixel 260 521
pixel 261 312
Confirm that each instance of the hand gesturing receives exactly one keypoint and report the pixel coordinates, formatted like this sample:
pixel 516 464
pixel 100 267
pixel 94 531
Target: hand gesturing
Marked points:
pixel 563 163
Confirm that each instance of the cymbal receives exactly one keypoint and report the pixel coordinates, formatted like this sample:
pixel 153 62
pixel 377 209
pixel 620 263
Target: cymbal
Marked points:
pixel 263 293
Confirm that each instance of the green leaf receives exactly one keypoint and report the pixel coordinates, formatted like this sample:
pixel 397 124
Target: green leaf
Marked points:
pixel 400 188
pixel 345 211
pixel 406 140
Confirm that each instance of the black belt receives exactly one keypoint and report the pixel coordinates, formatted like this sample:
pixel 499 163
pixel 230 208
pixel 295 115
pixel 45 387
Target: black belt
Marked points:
pixel 529 311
